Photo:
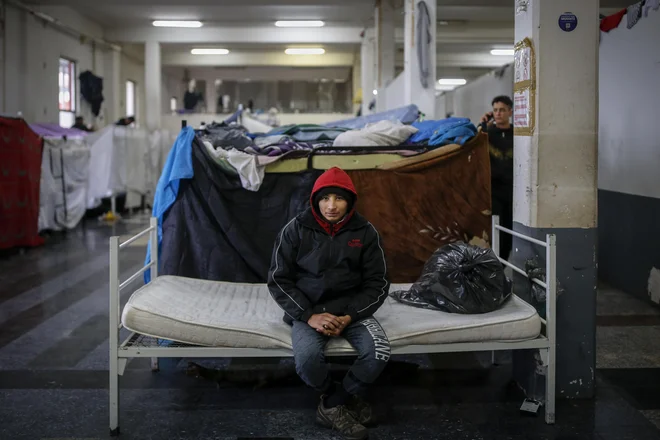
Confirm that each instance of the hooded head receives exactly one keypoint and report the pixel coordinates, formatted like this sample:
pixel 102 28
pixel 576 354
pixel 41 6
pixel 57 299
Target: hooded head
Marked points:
pixel 333 198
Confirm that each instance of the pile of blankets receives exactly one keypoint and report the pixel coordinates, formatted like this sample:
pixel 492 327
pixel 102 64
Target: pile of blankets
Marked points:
pixel 239 152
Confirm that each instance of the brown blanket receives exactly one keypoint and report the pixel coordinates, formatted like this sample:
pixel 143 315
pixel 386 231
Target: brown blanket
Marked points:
pixel 421 203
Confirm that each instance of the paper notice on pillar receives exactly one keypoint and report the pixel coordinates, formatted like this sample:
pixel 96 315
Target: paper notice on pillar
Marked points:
pixel 522 65
pixel 522 112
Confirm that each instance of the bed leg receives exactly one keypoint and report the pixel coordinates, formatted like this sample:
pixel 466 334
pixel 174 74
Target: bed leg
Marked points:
pixel 113 389
pixel 550 388
pixel 114 398
pixel 492 358
pixel 153 240
pixel 550 328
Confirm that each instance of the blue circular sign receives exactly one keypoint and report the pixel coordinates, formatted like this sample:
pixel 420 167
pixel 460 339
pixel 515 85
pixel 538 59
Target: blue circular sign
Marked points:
pixel 568 22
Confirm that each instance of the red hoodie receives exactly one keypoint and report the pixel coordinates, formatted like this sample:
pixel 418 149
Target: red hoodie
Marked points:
pixel 333 177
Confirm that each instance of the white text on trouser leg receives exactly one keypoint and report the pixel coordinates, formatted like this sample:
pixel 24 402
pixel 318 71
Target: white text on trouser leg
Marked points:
pixel 380 339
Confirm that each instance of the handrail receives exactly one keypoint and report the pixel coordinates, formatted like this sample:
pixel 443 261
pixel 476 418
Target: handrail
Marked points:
pixel 135 237
pixel 135 276
pixel 524 237
pixel 550 285
pixel 522 272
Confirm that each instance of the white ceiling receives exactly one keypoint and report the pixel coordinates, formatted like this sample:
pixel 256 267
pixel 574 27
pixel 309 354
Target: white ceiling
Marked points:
pixel 122 13
pixel 246 28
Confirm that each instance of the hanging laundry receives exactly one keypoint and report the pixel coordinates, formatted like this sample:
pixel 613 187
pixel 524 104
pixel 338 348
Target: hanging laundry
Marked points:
pixel 91 88
pixel 423 43
pixel 634 13
pixel 612 21
pixel 651 4
pixel 380 134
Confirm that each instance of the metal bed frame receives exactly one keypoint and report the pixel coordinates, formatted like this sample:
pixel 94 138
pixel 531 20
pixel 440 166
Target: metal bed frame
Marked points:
pixel 140 346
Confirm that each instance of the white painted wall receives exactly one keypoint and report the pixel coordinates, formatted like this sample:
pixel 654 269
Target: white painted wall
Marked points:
pixel 474 99
pixel 392 96
pixel 629 144
pixel 133 69
pixel 171 87
pixel 31 62
pixel 444 104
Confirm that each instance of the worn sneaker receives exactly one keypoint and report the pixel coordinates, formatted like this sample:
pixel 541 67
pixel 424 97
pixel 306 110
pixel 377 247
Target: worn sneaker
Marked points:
pixel 341 419
pixel 362 411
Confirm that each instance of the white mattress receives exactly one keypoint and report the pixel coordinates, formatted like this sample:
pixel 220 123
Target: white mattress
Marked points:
pixel 211 313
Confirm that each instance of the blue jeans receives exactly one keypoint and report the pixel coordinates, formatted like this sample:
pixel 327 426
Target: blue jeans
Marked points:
pixel 366 336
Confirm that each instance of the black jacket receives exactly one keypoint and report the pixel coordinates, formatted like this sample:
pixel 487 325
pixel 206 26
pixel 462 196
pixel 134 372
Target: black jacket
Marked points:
pixel 314 271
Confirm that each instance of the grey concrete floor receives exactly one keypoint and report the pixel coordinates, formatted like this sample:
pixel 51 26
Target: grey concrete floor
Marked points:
pixel 54 371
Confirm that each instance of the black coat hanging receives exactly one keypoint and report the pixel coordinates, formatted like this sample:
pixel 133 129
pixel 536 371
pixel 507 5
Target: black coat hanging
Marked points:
pixel 91 89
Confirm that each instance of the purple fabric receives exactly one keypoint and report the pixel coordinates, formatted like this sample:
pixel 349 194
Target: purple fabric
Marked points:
pixel 54 130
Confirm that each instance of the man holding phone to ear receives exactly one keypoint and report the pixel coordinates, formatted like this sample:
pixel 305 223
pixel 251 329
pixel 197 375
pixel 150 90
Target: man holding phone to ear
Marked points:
pixel 497 124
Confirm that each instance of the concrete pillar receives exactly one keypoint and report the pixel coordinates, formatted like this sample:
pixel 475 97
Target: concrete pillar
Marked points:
pixel 15 87
pixel 368 58
pixel 356 82
pixel 385 44
pixel 152 80
pixel 555 177
pixel 417 90
pixel 112 84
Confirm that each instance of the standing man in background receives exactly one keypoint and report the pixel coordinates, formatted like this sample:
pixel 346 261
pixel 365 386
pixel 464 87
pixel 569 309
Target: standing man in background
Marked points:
pixel 500 138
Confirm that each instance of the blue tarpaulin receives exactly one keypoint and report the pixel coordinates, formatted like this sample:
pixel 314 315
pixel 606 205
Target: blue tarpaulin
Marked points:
pixel 178 166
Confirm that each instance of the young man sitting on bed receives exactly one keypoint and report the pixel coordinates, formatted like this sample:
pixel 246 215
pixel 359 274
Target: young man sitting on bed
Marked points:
pixel 328 273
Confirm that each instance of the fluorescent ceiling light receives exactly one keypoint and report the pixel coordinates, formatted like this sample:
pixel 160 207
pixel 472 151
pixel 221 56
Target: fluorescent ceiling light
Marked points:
pixel 505 52
pixel 375 92
pixel 299 23
pixel 304 51
pixel 178 23
pixel 209 51
pixel 452 81
pixel 444 88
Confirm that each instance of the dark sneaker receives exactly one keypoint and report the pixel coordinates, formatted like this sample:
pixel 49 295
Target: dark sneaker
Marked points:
pixel 341 419
pixel 362 411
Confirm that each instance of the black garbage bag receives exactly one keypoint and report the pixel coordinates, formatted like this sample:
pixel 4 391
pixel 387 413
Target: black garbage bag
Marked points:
pixel 459 278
